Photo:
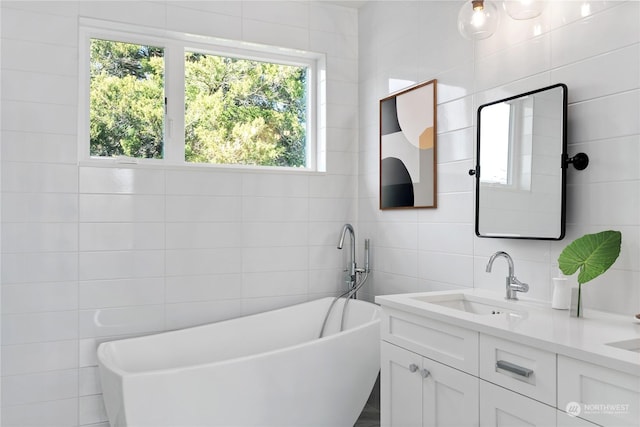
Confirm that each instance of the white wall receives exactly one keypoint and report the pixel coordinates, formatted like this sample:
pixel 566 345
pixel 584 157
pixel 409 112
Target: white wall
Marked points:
pixel 597 56
pixel 91 253
pixel 276 232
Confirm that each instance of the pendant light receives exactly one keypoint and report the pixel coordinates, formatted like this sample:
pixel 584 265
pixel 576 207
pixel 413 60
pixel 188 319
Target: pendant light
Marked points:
pixel 478 19
pixel 523 9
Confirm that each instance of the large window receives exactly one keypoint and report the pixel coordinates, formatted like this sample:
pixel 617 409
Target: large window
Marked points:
pixel 176 98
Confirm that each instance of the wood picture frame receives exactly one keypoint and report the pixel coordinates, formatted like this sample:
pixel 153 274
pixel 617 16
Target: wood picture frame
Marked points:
pixel 408 149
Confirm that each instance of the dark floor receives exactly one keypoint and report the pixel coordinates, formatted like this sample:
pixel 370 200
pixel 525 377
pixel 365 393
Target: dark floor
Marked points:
pixel 370 416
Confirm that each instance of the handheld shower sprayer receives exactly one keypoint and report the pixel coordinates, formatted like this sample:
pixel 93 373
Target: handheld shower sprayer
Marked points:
pixel 366 255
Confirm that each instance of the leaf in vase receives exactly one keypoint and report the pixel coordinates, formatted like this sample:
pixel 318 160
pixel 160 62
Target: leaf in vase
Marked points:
pixel 593 254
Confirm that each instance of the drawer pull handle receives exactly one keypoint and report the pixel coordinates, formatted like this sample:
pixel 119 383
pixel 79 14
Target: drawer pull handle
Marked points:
pixel 425 373
pixel 518 370
pixel 413 367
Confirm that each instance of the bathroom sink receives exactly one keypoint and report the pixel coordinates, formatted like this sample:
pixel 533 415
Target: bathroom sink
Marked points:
pixel 631 345
pixel 469 303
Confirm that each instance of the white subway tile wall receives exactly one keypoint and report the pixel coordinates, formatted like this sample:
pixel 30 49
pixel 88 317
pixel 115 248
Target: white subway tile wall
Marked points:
pixel 93 253
pixel 594 48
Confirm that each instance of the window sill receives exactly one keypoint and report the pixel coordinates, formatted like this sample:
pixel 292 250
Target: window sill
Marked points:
pixel 132 163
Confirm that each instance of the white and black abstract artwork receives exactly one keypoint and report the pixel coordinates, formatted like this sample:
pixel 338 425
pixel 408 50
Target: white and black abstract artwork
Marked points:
pixel 408 148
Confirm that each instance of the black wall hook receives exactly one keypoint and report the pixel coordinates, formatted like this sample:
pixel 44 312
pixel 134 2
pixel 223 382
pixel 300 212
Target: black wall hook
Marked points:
pixel 580 161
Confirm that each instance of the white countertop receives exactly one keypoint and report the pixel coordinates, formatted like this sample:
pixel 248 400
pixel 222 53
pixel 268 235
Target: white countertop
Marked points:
pixel 538 325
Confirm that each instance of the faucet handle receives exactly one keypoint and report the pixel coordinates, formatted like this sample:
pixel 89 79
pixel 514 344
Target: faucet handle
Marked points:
pixel 519 286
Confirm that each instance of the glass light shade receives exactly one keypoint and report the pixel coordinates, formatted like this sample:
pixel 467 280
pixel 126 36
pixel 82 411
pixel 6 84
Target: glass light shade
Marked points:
pixel 478 19
pixel 523 9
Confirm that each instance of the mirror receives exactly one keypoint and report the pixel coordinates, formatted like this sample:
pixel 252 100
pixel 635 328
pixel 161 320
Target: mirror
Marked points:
pixel 521 167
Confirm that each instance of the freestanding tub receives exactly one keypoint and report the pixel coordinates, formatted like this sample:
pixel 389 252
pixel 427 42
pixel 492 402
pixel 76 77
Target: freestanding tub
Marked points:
pixel 268 369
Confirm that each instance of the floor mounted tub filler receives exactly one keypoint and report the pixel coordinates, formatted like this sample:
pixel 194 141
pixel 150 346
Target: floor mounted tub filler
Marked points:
pixel 267 369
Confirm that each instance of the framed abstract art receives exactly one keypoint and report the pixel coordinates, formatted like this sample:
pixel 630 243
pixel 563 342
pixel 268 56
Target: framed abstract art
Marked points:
pixel 408 148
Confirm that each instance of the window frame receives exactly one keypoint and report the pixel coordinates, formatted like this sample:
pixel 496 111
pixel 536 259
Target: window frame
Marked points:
pixel 175 45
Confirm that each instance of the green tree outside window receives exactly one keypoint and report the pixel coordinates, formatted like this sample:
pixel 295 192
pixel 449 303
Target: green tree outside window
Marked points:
pixel 237 111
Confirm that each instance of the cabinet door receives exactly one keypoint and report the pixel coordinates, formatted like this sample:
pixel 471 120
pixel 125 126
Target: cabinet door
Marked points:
pixel 416 391
pixel 450 397
pixel 602 395
pixel 400 387
pixel 501 408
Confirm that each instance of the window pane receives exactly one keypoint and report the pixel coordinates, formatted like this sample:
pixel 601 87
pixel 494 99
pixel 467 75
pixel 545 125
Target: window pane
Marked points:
pixel 240 111
pixel 126 99
pixel 496 154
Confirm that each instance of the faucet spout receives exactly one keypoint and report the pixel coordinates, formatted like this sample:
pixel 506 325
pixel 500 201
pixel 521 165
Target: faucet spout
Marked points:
pixel 505 256
pixel 512 284
pixel 349 228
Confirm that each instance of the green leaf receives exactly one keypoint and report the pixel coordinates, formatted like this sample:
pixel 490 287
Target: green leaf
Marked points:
pixel 593 254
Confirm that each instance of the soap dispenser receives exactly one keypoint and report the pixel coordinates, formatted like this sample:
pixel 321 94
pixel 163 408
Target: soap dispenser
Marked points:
pixel 561 299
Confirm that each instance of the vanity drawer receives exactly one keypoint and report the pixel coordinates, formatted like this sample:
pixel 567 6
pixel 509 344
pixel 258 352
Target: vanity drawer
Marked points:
pixel 605 396
pixel 565 420
pixel 448 344
pixel 521 368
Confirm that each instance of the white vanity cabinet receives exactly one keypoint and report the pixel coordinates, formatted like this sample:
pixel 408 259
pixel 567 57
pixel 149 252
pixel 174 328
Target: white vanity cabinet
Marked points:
pixel 444 366
pixel 420 391
pixel 437 374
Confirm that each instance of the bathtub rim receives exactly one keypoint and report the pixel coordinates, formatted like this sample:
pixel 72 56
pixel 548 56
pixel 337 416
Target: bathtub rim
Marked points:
pixel 103 356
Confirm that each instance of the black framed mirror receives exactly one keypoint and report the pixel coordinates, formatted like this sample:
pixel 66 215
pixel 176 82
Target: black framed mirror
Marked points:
pixel 521 166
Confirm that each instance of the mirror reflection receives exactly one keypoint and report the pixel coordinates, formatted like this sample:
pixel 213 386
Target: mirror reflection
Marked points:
pixel 520 177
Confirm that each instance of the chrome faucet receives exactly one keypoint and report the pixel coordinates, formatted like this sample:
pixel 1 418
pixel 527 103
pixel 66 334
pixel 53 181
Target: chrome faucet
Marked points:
pixel 513 285
pixel 352 261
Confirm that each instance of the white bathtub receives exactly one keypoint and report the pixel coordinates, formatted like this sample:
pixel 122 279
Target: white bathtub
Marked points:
pixel 268 369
